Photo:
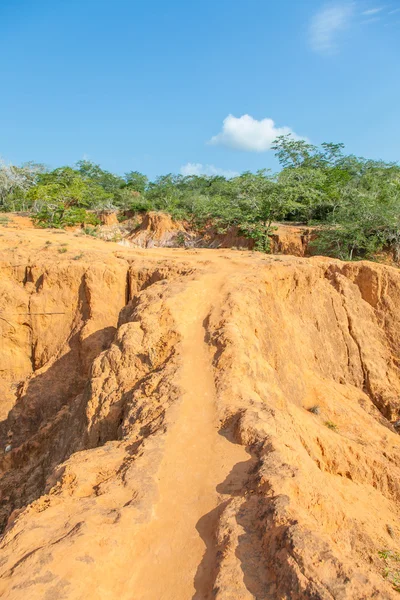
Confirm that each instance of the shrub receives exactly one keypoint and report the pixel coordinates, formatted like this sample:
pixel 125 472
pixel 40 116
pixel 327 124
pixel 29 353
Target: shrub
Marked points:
pixel 180 239
pixel 93 231
pixel 59 216
pixel 331 425
pixel 392 568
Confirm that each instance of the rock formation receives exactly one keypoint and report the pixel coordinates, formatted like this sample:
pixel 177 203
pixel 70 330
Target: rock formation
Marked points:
pixel 157 229
pixel 196 424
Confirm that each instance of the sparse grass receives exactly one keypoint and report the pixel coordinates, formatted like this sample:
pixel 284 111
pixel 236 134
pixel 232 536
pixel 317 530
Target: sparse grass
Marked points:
pixel 4 220
pixel 389 555
pixel 48 243
pixel 90 231
pixel 115 238
pixel 62 250
pixel 391 571
pixel 78 256
pixel 180 239
pixel 315 410
pixel 331 425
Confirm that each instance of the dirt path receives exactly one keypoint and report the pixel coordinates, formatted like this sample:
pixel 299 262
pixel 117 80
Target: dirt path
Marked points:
pixel 196 459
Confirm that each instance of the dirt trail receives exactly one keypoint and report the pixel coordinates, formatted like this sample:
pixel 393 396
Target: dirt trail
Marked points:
pixel 196 460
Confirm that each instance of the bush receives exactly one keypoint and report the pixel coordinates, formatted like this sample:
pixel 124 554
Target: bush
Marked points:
pixel 331 425
pixel 59 217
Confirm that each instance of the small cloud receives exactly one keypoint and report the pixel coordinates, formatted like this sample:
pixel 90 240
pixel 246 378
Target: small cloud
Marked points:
pixel 394 12
pixel 249 134
pixel 372 11
pixel 211 170
pixel 327 24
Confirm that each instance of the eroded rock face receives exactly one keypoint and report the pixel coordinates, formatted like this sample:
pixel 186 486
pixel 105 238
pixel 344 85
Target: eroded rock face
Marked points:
pixel 157 229
pixel 163 443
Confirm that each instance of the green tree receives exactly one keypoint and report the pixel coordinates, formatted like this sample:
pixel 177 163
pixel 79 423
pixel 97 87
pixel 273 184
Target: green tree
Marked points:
pixel 368 217
pixel 136 181
pixel 93 172
pixel 260 201
pixel 58 194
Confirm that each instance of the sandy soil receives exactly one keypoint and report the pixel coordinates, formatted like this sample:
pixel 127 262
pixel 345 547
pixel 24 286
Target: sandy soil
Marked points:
pixel 157 402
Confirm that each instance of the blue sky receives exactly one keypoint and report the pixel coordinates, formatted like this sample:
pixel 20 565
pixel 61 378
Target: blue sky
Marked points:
pixel 189 86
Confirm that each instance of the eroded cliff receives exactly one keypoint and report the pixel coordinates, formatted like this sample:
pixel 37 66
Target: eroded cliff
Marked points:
pixel 196 424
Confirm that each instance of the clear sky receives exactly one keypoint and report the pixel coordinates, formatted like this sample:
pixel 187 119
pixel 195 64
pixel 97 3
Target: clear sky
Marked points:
pixel 191 86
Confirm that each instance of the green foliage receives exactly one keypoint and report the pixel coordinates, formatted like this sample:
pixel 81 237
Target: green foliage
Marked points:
pixel 260 202
pixel 355 202
pixel 180 239
pixel 109 182
pixel 331 425
pixel 136 181
pixel 391 570
pixel 67 187
pixel 368 218
pixel 58 216
pixel 128 200
pixel 92 231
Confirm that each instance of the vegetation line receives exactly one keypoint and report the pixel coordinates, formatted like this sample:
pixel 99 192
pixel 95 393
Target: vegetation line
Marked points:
pixel 355 202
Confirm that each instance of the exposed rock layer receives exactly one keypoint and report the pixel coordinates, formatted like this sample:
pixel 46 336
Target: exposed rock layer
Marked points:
pixel 162 442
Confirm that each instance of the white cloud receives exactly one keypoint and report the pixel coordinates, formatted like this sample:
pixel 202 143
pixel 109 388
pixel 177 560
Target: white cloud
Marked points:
pixel 200 169
pixel 327 24
pixel 393 12
pixel 246 133
pixel 372 11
